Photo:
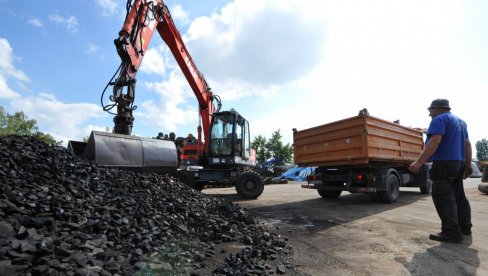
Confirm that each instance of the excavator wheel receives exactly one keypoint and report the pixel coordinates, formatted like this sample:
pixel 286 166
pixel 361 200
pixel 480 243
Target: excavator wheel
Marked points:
pixel 249 185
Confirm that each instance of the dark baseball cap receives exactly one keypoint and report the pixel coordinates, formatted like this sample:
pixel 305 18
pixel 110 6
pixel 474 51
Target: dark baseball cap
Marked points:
pixel 440 103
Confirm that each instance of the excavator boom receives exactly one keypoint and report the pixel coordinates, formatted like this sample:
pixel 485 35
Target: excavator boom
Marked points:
pixel 143 19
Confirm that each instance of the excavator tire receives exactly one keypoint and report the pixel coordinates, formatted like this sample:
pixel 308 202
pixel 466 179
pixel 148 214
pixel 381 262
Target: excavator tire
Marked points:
pixel 249 185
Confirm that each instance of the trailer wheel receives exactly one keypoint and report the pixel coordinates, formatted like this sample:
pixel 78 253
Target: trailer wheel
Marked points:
pixel 427 189
pixel 249 185
pixel 329 194
pixel 392 190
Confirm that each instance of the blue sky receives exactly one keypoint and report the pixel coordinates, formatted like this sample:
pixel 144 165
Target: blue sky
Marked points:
pixel 282 64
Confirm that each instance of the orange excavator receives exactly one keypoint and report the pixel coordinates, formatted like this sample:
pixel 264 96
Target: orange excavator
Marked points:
pixel 225 156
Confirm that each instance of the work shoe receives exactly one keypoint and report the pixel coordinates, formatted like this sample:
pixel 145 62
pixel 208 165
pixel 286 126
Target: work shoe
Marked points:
pixel 444 238
pixel 466 231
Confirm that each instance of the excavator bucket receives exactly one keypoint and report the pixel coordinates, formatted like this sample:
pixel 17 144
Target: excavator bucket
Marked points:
pixel 128 152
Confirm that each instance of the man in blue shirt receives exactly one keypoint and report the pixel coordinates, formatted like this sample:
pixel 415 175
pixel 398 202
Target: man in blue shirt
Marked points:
pixel 449 149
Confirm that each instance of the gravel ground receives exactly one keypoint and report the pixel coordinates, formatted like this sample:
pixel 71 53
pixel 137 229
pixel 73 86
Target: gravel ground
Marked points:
pixel 355 236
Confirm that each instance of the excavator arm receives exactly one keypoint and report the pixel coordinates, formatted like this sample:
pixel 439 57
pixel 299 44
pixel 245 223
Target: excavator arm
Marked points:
pixel 143 19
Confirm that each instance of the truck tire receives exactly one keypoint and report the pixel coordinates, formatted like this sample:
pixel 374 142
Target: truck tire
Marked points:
pixel 392 189
pixel 249 185
pixel 427 189
pixel 329 194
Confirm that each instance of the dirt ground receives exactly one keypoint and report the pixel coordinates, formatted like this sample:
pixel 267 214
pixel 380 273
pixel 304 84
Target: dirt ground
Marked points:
pixel 355 236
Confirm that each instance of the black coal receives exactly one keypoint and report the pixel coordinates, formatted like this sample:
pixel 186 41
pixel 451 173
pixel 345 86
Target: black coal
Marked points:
pixel 61 214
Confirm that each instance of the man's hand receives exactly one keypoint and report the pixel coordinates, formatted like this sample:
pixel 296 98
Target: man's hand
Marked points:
pixel 415 166
pixel 430 148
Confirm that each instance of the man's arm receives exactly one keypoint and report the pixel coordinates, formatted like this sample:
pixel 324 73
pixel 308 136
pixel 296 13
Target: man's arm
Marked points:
pixel 429 149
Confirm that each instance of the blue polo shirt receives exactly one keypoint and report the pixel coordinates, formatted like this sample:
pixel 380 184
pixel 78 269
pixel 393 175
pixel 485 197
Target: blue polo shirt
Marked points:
pixel 454 132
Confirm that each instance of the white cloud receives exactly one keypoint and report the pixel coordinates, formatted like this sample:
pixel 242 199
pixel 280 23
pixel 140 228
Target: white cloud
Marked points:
pixel 7 62
pixel 35 22
pixel 5 91
pixel 311 66
pixel 110 7
pixel 375 54
pixel 179 14
pixel 70 22
pixel 286 63
pixel 248 48
pixel 261 43
pixel 172 109
pixel 153 62
pixel 393 58
pixel 91 48
pixel 61 120
pixel 8 70
pixel 166 116
pixel 235 89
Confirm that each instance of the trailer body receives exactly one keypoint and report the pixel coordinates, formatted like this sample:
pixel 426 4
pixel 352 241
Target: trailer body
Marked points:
pixel 361 154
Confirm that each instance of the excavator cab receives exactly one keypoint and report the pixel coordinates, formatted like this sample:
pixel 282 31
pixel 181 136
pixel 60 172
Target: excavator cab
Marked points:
pixel 230 140
pixel 230 160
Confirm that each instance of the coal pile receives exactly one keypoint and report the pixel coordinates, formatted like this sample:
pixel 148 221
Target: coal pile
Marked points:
pixel 62 215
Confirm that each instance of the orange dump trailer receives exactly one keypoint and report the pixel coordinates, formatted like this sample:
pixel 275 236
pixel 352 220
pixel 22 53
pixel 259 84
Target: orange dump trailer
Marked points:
pixel 361 154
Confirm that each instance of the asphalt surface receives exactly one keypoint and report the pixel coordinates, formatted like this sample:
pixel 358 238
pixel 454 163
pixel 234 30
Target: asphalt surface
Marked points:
pixel 355 236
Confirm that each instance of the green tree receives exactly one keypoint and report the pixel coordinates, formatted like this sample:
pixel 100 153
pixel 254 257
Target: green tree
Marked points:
pixel 20 124
pixel 278 150
pixel 46 138
pixel 259 144
pixel 273 148
pixel 16 124
pixel 482 150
